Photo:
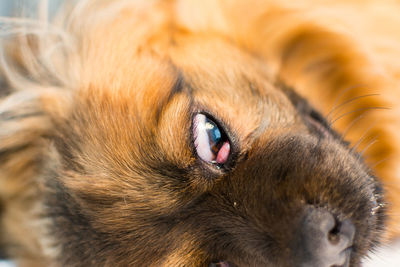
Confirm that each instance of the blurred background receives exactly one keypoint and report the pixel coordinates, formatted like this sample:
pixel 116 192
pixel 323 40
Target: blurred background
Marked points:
pixel 13 7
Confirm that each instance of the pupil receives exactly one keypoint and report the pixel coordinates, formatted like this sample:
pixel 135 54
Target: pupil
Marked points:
pixel 214 136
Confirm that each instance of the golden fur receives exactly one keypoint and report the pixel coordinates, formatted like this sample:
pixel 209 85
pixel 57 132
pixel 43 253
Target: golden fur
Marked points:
pixel 340 55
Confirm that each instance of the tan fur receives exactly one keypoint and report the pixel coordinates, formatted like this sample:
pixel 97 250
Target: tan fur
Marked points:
pixel 338 51
pixel 121 57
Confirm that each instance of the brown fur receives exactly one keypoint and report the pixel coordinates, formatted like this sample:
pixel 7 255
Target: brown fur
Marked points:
pixel 97 166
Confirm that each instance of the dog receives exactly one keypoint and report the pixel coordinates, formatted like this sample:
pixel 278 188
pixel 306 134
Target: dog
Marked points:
pixel 200 133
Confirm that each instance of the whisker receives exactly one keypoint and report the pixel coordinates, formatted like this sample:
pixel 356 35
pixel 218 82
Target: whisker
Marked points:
pixel 338 108
pixel 373 141
pixel 344 91
pixel 362 137
pixel 357 110
pixel 352 123
pixel 386 183
pixel 379 162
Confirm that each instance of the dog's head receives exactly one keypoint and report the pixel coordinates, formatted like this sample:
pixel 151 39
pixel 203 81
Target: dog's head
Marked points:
pixel 184 151
pixel 181 149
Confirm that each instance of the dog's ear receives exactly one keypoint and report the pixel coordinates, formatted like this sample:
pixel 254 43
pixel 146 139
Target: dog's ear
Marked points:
pixel 327 65
pixel 27 121
pixel 339 78
pixel 37 78
pixel 32 100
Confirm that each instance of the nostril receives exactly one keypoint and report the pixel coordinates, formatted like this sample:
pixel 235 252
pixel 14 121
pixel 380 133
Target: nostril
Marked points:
pixel 342 232
pixel 324 240
pixel 334 234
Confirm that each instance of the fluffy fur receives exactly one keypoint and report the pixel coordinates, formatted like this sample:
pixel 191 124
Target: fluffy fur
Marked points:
pixel 97 166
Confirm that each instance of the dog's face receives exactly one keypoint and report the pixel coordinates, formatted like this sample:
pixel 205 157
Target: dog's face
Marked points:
pixel 190 163
pixel 198 157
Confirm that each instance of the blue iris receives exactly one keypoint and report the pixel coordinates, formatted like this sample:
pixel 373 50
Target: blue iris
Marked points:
pixel 214 135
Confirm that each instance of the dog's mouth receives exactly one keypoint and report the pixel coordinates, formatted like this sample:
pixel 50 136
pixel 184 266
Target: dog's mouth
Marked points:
pixel 222 264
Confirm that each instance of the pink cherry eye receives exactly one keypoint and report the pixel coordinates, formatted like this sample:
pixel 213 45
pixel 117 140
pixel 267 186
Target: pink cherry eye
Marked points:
pixel 211 143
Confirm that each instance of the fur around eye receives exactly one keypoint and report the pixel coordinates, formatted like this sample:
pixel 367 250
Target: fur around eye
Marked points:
pixel 210 141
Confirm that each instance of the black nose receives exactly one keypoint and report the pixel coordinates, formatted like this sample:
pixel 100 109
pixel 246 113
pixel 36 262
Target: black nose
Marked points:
pixel 322 240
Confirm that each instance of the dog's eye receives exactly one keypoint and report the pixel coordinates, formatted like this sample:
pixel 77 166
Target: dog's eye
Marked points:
pixel 212 144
